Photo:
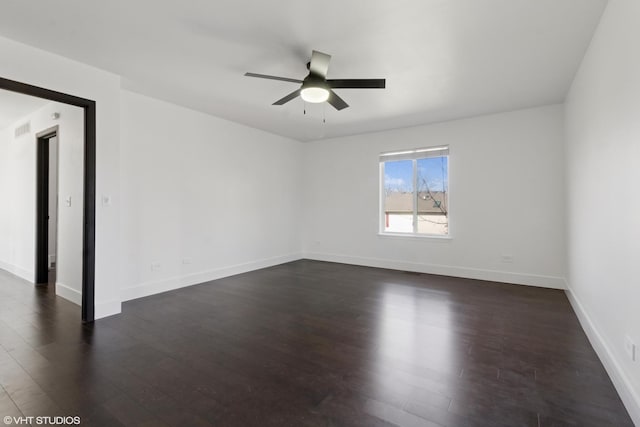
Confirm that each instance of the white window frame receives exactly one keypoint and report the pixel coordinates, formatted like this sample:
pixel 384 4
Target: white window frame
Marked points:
pixel 414 155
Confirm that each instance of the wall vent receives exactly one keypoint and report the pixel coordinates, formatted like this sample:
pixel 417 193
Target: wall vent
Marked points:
pixel 23 129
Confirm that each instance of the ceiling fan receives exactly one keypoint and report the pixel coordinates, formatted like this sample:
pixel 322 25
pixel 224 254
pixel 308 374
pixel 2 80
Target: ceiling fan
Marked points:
pixel 316 88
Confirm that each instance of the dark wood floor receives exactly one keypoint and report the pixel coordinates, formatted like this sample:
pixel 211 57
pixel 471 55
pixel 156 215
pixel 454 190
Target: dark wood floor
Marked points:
pixel 307 344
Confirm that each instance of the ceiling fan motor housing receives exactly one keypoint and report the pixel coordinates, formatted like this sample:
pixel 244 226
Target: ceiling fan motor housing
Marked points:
pixel 313 80
pixel 314 89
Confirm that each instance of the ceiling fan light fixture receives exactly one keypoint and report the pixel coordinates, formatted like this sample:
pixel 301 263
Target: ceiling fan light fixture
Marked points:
pixel 314 94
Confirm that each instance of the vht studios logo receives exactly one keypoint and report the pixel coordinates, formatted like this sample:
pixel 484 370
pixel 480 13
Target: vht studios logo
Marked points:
pixel 60 421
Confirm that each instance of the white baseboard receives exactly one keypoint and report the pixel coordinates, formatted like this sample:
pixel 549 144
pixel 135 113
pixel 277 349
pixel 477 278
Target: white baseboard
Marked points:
pixel 106 309
pixel 155 287
pixel 630 397
pixel 446 270
pixel 22 273
pixel 68 293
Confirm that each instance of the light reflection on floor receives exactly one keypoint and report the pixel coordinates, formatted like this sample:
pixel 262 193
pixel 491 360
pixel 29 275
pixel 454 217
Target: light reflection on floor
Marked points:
pixel 414 339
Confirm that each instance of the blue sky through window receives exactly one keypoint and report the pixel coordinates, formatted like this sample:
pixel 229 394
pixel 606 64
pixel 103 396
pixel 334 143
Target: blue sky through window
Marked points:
pixel 398 175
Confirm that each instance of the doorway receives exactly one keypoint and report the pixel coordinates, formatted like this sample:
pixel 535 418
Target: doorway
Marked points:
pixel 89 188
pixel 46 205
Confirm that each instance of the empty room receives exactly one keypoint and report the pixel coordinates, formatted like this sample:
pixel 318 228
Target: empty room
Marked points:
pixel 286 213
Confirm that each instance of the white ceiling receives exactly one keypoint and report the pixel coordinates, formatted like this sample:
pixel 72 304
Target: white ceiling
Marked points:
pixel 14 106
pixel 443 59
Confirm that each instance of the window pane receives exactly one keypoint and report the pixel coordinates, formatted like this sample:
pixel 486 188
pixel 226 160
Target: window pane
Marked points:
pixel 398 196
pixel 433 190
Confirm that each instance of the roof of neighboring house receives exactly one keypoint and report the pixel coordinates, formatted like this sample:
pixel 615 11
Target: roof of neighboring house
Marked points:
pixel 397 202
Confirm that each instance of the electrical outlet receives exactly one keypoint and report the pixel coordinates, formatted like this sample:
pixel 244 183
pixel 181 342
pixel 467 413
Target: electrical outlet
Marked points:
pixel 155 266
pixel 186 261
pixel 630 348
pixel 507 259
pixel 106 200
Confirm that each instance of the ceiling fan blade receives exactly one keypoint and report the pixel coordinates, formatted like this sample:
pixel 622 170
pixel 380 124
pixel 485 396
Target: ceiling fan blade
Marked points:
pixel 337 102
pixel 287 98
pixel 357 83
pixel 319 64
pixel 265 76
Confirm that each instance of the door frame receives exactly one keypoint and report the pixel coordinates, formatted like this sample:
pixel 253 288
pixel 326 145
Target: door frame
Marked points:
pixel 89 177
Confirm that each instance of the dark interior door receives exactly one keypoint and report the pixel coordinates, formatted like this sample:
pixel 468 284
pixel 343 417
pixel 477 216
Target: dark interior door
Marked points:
pixel 42 208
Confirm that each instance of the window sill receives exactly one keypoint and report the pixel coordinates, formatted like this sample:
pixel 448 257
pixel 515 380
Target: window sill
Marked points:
pixel 415 236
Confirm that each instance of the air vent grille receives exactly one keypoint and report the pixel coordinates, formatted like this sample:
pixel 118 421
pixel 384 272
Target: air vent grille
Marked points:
pixel 23 129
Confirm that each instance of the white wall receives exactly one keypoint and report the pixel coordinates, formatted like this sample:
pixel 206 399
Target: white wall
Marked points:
pixel 603 178
pixel 507 198
pixel 6 246
pixel 17 192
pixel 19 197
pixel 252 227
pixel 40 68
pixel 202 197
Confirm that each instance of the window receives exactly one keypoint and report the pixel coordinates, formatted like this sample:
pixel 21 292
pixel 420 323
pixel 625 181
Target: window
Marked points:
pixel 415 191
